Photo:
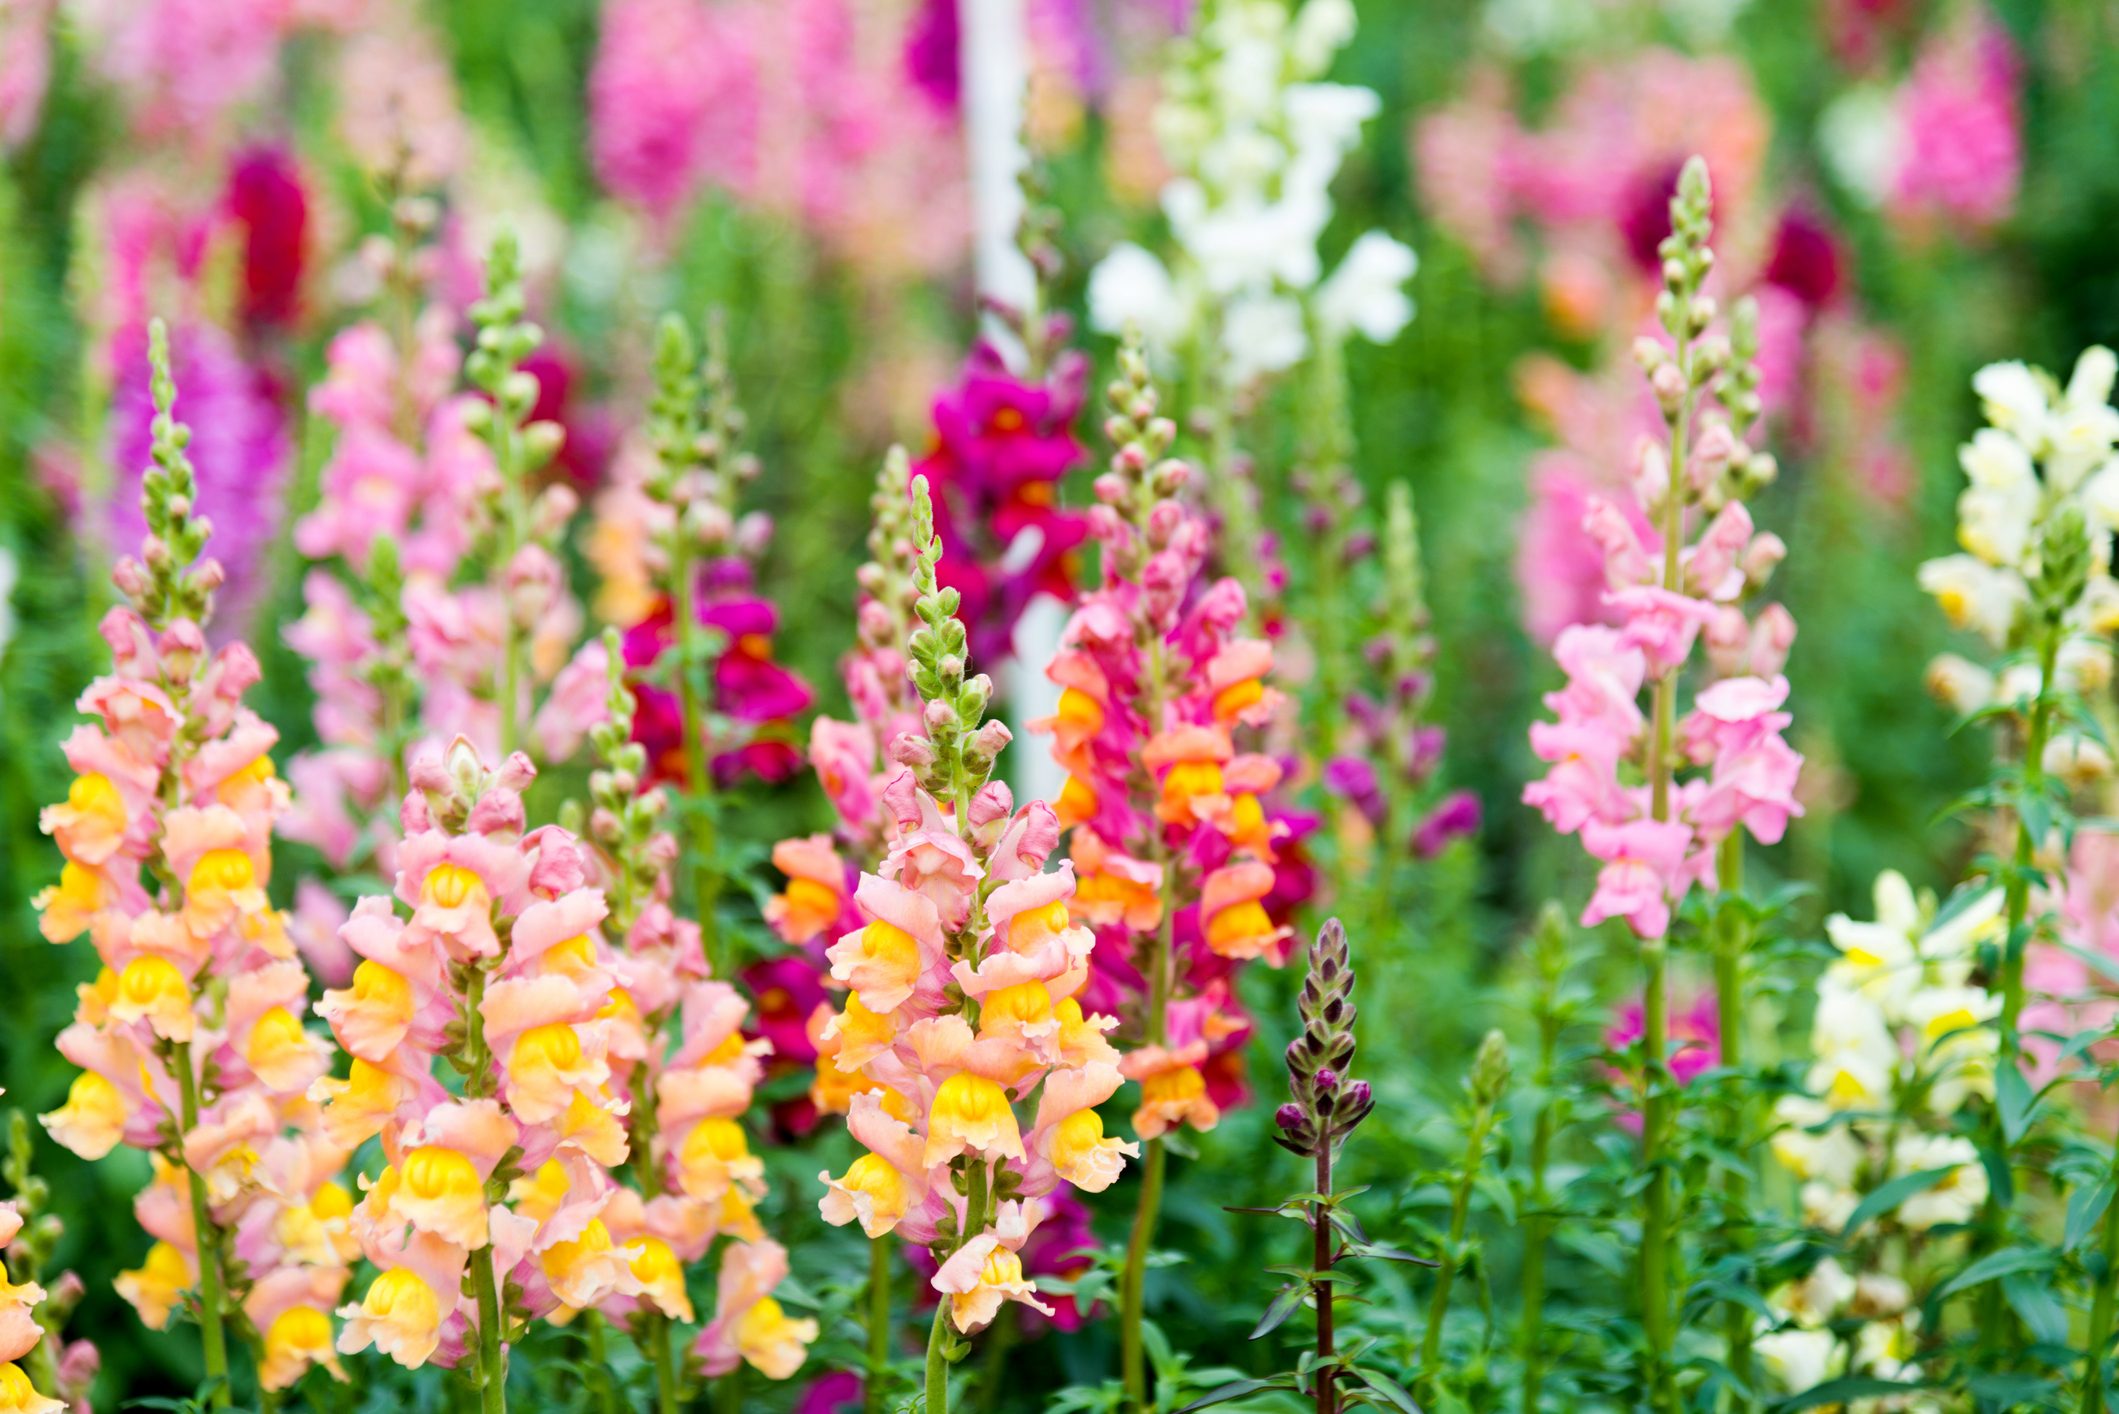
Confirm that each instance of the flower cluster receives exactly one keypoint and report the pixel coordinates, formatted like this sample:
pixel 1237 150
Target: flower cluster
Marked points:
pixel 2046 453
pixel 962 1006
pixel 1002 443
pixel 853 764
pixel 678 565
pixel 686 1072
pixel 1655 835
pixel 1328 1103
pixel 793 108
pixel 190 1040
pixel 1901 1029
pixel 489 1209
pixel 1901 1042
pixel 1944 149
pixel 1172 842
pixel 1256 139
pixel 396 649
pixel 30 1314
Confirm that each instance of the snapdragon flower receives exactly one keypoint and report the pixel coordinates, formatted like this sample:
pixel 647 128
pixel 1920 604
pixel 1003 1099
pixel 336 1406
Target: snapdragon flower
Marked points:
pixel 2034 580
pixel 190 1040
pixel 1256 138
pixel 394 646
pixel 687 1073
pixel 1678 573
pixel 489 959
pixel 1901 1042
pixel 978 1070
pixel 1173 841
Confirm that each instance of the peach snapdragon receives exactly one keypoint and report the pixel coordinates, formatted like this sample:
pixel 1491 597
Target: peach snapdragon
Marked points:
pixel 681 1060
pixel 191 1039
pixel 978 1072
pixel 490 961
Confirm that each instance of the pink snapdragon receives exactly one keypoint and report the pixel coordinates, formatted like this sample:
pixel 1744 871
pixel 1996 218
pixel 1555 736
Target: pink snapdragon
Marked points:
pixel 794 108
pixel 1156 674
pixel 1614 770
pixel 1960 129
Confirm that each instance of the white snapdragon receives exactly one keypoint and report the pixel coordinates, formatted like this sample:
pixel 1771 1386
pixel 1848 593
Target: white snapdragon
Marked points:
pixel 2045 446
pixel 1256 139
pixel 1901 1040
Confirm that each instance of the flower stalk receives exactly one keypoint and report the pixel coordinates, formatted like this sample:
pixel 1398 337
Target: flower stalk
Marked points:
pixel 1487 1083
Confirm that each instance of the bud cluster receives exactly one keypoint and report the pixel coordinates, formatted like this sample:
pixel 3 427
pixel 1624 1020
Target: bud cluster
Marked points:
pixel 957 754
pixel 1137 515
pixel 1327 1104
pixel 169 581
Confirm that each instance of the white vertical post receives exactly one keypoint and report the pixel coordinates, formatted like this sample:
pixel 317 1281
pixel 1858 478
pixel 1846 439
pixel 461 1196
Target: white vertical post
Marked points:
pixel 994 56
pixel 994 72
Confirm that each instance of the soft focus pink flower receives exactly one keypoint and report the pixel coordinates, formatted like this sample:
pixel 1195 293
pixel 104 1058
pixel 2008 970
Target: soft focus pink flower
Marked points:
pixel 1960 129
pixel 1695 1044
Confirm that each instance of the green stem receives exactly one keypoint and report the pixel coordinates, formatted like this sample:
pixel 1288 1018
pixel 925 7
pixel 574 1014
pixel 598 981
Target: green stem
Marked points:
pixel 938 1361
pixel 1994 1317
pixel 1446 1274
pixel 1655 1005
pixel 2100 1335
pixel 1538 1230
pixel 938 1339
pixel 658 1334
pixel 878 1327
pixel 1133 1287
pixel 599 1361
pixel 1731 1020
pixel 1321 1288
pixel 492 1357
pixel 2019 890
pixel 213 1334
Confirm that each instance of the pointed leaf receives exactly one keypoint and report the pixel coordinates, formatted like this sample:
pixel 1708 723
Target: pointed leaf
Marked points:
pixel 1885 1198
pixel 1281 1307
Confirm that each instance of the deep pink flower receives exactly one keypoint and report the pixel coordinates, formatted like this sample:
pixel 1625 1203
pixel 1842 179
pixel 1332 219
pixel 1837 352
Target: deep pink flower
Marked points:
pixel 1695 1044
pixel 267 200
pixel 1806 259
pixel 1002 445
pixel 1961 127
pixel 756 695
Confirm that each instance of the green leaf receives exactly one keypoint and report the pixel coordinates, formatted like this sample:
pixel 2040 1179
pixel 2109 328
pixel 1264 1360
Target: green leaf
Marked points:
pixel 2012 1094
pixel 1844 1391
pixel 1388 1254
pixel 1392 1393
pixel 1232 1391
pixel 2084 1207
pixel 1993 1265
pixel 2042 1313
pixel 1279 1309
pixel 1887 1197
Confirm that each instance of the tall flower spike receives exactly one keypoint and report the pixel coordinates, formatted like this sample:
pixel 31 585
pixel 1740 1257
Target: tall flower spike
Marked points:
pixel 686 1073
pixel 490 1209
pixel 1328 1104
pixel 190 1041
pixel 1687 580
pixel 973 1067
pixel 679 567
pixel 1175 834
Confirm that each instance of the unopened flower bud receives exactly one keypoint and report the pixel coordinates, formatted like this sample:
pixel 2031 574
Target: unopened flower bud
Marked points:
pixel 1490 1069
